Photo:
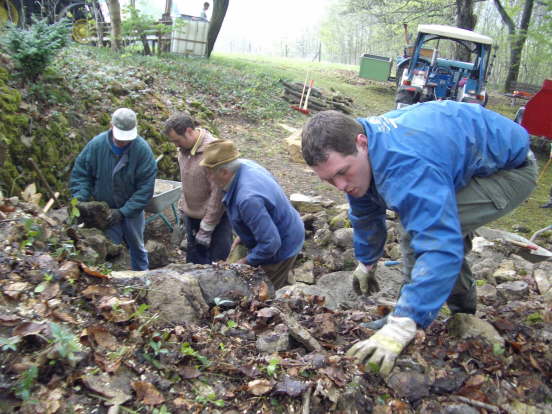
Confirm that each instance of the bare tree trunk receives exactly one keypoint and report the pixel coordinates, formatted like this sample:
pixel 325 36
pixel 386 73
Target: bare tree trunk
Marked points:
pixel 115 13
pixel 517 40
pixel 465 19
pixel 219 12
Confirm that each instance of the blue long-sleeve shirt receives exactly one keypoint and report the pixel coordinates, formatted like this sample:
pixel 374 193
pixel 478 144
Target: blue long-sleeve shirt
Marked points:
pixel 262 216
pixel 420 157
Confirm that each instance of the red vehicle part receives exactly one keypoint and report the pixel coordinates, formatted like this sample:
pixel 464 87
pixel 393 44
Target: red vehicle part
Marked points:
pixel 537 118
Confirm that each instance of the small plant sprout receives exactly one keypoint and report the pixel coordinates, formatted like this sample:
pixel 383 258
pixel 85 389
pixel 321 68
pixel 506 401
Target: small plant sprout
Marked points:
pixel 186 349
pixel 26 383
pixel 74 212
pixel 231 324
pixel 210 398
pixel 272 367
pixel 9 344
pixel 65 343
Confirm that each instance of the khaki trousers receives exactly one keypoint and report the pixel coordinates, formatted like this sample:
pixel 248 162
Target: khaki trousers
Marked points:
pixel 483 200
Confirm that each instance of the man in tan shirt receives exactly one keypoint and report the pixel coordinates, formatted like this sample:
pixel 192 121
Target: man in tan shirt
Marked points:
pixel 208 229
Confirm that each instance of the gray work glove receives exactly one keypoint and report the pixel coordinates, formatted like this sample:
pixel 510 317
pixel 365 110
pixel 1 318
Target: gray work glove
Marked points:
pixel 364 280
pixel 379 352
pixel 114 217
pixel 203 237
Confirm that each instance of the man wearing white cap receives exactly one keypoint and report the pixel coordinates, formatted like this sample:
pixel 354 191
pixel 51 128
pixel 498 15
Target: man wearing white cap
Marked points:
pixel 118 167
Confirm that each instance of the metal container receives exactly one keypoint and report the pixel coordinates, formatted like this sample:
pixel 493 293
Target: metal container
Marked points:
pixel 165 194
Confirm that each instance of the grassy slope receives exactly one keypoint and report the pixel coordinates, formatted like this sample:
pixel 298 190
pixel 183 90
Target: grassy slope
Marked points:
pixel 247 87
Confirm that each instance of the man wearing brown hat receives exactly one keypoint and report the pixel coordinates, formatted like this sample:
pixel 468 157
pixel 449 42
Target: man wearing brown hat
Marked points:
pixel 260 212
pixel 118 167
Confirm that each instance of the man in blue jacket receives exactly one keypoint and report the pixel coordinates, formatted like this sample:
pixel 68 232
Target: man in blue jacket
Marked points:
pixel 118 167
pixel 446 168
pixel 259 210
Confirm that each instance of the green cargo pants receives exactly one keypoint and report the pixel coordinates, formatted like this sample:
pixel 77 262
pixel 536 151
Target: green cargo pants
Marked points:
pixel 483 200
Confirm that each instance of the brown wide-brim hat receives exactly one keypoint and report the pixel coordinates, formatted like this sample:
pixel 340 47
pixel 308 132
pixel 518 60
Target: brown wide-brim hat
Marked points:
pixel 219 152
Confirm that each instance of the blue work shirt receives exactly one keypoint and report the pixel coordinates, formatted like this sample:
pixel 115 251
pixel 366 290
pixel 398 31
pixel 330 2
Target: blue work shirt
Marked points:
pixel 420 157
pixel 262 216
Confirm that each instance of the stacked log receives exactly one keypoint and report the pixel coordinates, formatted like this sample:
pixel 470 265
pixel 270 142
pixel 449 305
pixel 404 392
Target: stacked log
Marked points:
pixel 318 100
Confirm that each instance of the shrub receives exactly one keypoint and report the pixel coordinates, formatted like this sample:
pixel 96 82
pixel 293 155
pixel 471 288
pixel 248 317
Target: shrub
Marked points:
pixel 34 49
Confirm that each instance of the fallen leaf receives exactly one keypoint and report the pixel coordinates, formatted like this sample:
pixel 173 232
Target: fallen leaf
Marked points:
pixel 51 291
pixel 263 292
pixel 63 316
pixel 189 372
pixel 92 272
pixel 6 208
pixel 14 290
pixel 102 337
pixel 9 320
pixel 29 328
pixel 107 363
pixel 105 385
pixel 97 290
pixel 69 270
pixel 291 387
pixel 259 387
pixel 147 393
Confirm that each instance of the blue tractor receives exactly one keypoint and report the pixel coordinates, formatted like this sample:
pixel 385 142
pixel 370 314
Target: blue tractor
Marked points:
pixel 425 73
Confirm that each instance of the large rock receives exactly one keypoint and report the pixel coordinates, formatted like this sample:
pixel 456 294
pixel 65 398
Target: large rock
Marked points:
pixel 467 326
pixel 182 293
pixel 300 289
pixel 293 144
pixel 274 341
pixel 307 204
pixel 158 254
pixel 343 238
pixel 303 273
pixel 409 385
pixel 513 290
pixel 339 285
pixel 543 277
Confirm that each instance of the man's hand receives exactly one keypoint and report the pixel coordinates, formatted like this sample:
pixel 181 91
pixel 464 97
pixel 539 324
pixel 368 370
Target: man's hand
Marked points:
pixel 114 217
pixel 203 237
pixel 380 351
pixel 364 280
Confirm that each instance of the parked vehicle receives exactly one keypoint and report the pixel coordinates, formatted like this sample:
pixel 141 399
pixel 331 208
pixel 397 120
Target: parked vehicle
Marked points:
pixel 424 73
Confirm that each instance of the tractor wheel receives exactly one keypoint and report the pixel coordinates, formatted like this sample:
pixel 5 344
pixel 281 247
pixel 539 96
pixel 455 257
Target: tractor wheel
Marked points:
pixel 404 98
pixel 8 13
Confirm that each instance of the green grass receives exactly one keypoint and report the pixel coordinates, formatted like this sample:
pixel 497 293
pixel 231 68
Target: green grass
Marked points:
pixel 247 88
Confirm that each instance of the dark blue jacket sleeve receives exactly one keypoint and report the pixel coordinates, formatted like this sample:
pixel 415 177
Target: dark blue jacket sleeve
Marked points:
pixel 145 183
pixel 81 182
pixel 267 238
pixel 370 233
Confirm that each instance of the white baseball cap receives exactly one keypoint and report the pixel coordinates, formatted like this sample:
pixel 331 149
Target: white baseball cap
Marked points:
pixel 124 124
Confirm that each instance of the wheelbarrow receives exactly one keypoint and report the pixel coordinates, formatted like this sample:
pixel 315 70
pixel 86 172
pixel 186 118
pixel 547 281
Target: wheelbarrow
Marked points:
pixel 165 195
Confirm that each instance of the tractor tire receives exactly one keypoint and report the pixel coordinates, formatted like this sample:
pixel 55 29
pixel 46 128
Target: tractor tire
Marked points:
pixel 405 98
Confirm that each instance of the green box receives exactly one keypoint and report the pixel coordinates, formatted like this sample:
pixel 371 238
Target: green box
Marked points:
pixel 374 67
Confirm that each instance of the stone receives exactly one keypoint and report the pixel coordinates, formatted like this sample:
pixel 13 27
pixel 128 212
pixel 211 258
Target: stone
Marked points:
pixel 340 221
pixel 393 251
pixel 467 326
pixel 543 279
pixel 94 214
pixel 293 145
pixel 176 297
pixel 513 290
pixel 308 204
pixel 354 399
pixel 301 289
pixel 158 254
pixel 412 386
pixel 323 237
pixel 486 293
pixel 340 286
pixel 343 237
pixel 459 409
pixel 303 273
pixel 274 341
pixel 506 272
pixel 332 260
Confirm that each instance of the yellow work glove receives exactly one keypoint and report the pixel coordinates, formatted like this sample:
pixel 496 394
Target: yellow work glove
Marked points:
pixel 382 349
pixel 364 280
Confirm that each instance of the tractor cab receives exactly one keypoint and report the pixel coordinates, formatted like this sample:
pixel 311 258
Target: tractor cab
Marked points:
pixel 427 71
